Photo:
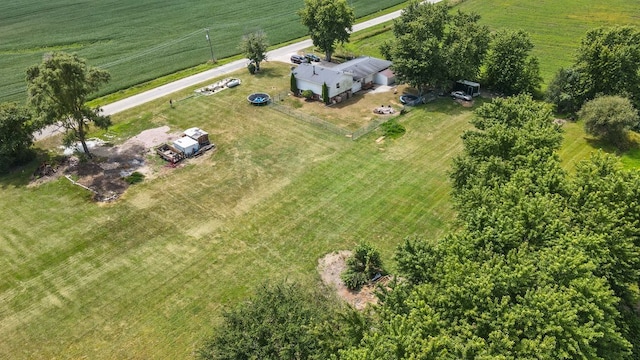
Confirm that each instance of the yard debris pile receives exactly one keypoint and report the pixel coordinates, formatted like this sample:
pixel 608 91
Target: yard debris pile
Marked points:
pixel 218 86
pixel 194 142
pixel 331 266
pixel 105 174
pixel 45 169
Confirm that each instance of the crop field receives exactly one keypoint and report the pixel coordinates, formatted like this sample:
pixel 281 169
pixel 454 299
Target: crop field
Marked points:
pixel 139 40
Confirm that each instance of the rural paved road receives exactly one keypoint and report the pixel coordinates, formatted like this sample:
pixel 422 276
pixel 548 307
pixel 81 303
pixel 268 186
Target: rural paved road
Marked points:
pixel 281 54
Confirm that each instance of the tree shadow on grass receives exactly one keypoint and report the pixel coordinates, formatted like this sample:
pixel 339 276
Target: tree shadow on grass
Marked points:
pixel 629 148
pixel 22 175
pixel 268 73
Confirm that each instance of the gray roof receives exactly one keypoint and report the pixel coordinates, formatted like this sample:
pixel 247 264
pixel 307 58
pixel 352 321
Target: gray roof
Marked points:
pixel 318 74
pixel 363 66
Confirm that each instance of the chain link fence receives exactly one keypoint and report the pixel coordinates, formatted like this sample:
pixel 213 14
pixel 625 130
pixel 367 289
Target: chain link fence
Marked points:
pixel 316 121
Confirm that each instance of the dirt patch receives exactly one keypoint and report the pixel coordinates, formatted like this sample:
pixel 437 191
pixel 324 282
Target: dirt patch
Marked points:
pixel 464 103
pixel 559 122
pixel 105 174
pixel 330 267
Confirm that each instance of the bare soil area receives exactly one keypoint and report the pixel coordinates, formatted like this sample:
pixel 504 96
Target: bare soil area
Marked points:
pixel 356 112
pixel 330 267
pixel 105 174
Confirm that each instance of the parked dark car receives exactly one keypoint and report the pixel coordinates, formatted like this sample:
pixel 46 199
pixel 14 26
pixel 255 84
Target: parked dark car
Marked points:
pixel 298 59
pixel 312 57
pixel 461 95
pixel 408 99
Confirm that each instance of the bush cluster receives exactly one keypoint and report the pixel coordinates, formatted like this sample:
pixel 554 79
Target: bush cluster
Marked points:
pixel 392 129
pixel 362 266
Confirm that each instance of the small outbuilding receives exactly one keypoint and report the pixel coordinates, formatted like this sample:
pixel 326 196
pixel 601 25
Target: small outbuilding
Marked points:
pixel 199 135
pixel 468 87
pixel 367 71
pixel 187 145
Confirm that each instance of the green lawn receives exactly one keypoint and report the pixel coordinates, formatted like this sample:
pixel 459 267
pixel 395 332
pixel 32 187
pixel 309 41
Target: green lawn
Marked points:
pixel 139 40
pixel 146 277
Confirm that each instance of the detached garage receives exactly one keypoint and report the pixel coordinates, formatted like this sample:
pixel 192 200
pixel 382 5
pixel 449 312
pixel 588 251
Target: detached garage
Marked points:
pixel 385 77
pixel 367 71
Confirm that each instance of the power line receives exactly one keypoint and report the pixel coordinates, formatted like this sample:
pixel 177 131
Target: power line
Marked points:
pixel 151 50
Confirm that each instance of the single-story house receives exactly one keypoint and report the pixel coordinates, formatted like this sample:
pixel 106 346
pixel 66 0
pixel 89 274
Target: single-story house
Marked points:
pixel 311 77
pixel 344 79
pixel 367 71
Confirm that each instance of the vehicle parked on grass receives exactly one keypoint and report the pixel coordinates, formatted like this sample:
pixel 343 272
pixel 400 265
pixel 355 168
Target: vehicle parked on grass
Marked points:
pixel 298 59
pixel 461 96
pixel 409 99
pixel 312 57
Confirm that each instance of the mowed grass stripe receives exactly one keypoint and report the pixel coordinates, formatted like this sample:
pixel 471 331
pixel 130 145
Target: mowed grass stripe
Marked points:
pixel 147 276
pixel 143 270
pixel 248 252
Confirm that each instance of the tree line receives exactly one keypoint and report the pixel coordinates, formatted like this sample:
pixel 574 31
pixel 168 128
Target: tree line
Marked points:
pixel 545 262
pixel 545 265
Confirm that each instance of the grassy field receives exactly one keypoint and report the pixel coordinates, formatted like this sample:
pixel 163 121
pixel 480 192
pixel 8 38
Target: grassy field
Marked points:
pixel 141 40
pixel 147 276
pixel 556 27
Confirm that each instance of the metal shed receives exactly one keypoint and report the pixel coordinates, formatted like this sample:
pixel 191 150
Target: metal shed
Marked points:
pixel 199 135
pixel 187 145
pixel 469 87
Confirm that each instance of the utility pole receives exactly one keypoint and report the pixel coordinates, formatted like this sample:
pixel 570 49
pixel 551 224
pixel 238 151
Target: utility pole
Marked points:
pixel 213 59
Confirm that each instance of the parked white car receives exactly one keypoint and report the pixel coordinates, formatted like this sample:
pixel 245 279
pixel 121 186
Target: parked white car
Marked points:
pixel 461 95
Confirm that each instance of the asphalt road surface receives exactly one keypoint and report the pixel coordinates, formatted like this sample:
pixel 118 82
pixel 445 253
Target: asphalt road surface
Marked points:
pixel 281 54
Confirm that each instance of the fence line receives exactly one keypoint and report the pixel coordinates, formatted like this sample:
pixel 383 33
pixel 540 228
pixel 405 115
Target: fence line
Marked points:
pixel 309 119
pixel 313 120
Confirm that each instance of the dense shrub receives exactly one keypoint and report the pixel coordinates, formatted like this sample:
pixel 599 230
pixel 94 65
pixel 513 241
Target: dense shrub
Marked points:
pixel 362 266
pixel 252 68
pixel 392 129
pixel 134 178
pixel 307 94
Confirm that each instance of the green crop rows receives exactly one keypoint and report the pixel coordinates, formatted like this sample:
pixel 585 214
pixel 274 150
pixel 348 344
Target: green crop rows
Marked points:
pixel 139 40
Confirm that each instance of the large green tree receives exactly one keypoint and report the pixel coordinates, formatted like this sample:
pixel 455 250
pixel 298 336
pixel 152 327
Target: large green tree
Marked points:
pixel 541 266
pixel 329 22
pixel 15 135
pixel 433 47
pixel 285 321
pixel 608 61
pixel 509 134
pixel 254 46
pixel 58 91
pixel 509 67
pixel 565 91
pixel 609 117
